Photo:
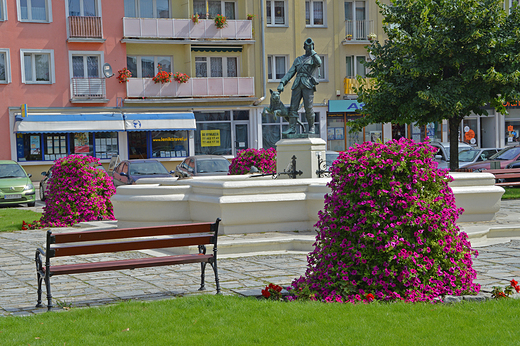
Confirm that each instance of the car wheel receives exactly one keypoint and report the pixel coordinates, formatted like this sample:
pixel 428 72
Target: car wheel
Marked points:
pixel 42 193
pixel 32 204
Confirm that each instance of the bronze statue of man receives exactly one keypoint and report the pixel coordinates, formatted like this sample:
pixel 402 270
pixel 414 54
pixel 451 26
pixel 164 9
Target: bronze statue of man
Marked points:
pixel 304 86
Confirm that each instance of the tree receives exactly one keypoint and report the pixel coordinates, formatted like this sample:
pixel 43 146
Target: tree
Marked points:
pixel 443 59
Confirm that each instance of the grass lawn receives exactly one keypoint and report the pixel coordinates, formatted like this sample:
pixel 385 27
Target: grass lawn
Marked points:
pixel 11 218
pixel 229 320
pixel 511 193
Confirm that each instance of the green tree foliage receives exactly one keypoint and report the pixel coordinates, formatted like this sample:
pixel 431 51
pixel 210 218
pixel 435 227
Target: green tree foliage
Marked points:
pixel 443 59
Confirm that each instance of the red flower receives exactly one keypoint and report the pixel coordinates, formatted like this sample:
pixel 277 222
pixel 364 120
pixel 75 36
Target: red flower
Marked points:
pixel 517 288
pixel 514 282
pixel 370 297
pixel 266 293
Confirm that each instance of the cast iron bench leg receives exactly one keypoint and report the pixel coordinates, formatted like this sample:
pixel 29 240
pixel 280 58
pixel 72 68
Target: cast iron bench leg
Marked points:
pixel 202 276
pixel 39 279
pixel 48 288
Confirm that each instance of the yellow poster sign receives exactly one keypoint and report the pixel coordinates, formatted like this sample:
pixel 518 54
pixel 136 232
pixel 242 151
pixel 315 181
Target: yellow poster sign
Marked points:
pixel 210 138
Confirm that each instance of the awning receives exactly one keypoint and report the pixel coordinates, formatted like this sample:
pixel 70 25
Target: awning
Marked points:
pixel 342 106
pixel 159 121
pixel 38 123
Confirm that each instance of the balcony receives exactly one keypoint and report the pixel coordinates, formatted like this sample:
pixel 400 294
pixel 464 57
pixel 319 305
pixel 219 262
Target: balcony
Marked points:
pixel 351 83
pixel 88 89
pixel 358 30
pixel 85 28
pixel 163 28
pixel 195 87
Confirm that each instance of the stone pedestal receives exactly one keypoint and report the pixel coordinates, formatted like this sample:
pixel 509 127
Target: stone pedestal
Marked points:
pixel 305 150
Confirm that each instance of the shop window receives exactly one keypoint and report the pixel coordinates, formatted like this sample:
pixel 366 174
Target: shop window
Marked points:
pixel 276 67
pixel 34 10
pixel 314 13
pixel 228 8
pixel 29 147
pixel 148 66
pixel 221 133
pixel 276 12
pixel 470 131
pixel 512 132
pixel 157 144
pixel 147 8
pixel 272 129
pixel 169 143
pixel 106 145
pixel 55 146
pixel 37 66
pixel 5 66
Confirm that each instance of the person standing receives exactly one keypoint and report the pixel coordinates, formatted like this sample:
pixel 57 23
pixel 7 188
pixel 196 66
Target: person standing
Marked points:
pixel 303 86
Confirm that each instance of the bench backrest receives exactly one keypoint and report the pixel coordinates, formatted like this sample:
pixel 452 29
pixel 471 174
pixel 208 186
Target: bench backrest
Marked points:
pixel 502 171
pixel 141 238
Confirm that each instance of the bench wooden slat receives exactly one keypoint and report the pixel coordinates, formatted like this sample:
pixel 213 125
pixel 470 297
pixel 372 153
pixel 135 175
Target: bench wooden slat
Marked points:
pixel 507 176
pixel 83 249
pixel 127 264
pixel 511 183
pixel 502 170
pixel 72 237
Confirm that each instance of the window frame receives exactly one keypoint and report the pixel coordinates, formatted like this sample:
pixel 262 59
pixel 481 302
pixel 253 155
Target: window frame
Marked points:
pixel 224 65
pixel 324 65
pixel 7 66
pixel 139 64
pixel 271 60
pixel 84 54
pixel 222 10
pixel 137 9
pixel 48 12
pixel 50 52
pixel 354 66
pixel 311 14
pixel 271 4
pixel 3 10
pixel 82 8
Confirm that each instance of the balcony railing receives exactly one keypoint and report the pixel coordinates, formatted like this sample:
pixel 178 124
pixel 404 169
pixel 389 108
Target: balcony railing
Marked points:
pixel 186 29
pixel 351 83
pixel 88 88
pixel 359 29
pixel 85 27
pixel 195 87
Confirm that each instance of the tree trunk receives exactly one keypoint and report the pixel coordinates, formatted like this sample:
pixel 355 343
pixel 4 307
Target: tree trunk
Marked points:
pixel 454 124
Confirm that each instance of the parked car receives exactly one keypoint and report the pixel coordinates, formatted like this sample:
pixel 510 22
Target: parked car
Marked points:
pixel 203 165
pixel 127 172
pixel 467 157
pixel 442 156
pixel 501 159
pixel 15 185
pixel 44 183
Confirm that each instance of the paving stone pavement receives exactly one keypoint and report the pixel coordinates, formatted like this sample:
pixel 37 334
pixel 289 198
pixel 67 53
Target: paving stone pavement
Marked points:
pixel 498 262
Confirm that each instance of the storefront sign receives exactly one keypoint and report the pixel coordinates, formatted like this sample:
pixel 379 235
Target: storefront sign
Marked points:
pixel 170 139
pixel 210 138
pixel 24 110
pixel 514 104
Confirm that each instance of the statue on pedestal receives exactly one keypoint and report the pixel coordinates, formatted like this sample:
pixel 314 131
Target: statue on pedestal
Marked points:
pixel 303 86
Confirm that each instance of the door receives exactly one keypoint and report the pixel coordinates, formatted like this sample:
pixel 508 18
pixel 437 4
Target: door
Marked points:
pixel 241 137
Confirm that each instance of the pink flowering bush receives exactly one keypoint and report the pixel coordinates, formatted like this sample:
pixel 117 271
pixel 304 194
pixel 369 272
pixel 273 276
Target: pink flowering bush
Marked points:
pixel 388 230
pixel 264 160
pixel 78 192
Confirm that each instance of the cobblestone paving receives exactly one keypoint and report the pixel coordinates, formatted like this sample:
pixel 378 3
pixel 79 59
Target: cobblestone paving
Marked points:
pixel 496 265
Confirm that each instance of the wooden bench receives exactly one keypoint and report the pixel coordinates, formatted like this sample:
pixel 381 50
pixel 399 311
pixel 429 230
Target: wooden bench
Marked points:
pixel 142 238
pixel 505 173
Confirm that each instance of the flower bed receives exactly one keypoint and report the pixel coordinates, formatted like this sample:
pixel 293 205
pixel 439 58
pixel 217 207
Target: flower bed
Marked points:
pixel 388 230
pixel 264 160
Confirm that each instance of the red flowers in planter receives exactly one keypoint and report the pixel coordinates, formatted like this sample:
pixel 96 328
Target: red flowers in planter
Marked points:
pixel 124 74
pixel 181 77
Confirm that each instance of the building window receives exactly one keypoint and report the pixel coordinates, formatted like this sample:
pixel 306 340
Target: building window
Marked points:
pixel 276 67
pixel 356 17
pixel 86 76
pixel 3 10
pixel 355 66
pixel 276 12
pixel 5 66
pixel 147 8
pixel 221 133
pixel 52 146
pixel 209 9
pixel 148 66
pixel 321 72
pixel 272 129
pixel 83 8
pixel 314 13
pixel 34 10
pixel 86 66
pixel 217 67
pixel 37 66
